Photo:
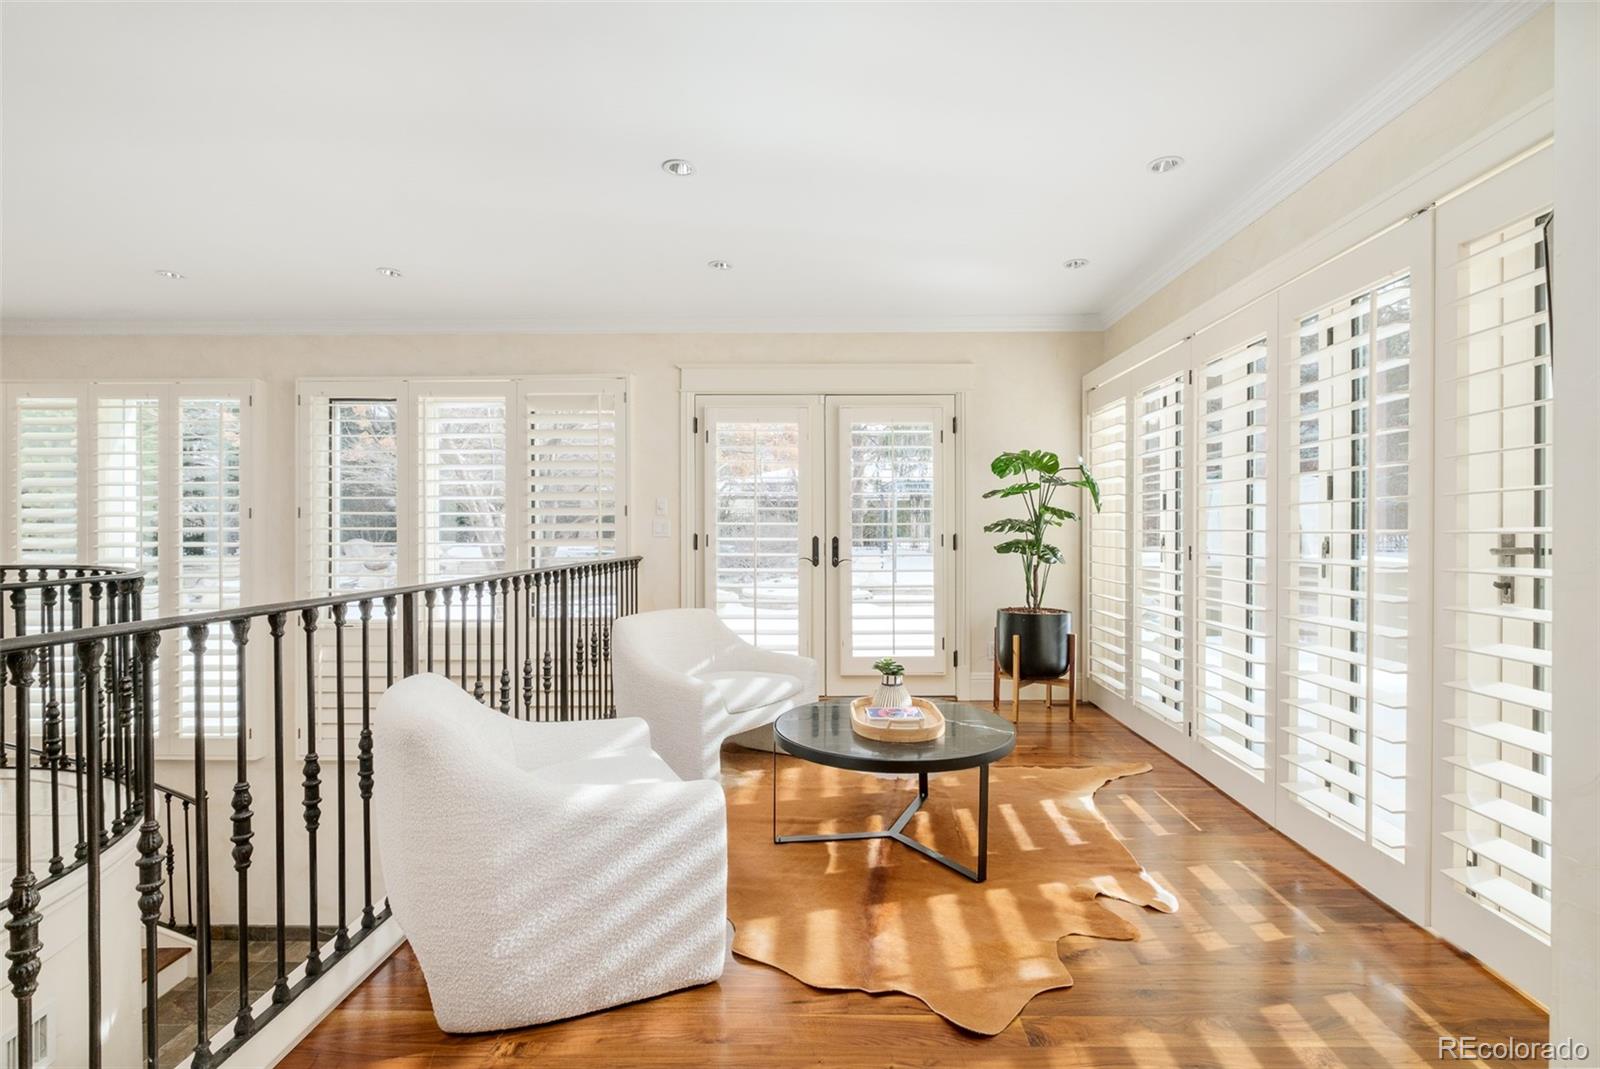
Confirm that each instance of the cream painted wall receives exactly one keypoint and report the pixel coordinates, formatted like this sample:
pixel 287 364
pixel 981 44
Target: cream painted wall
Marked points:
pixel 1027 397
pixel 1511 76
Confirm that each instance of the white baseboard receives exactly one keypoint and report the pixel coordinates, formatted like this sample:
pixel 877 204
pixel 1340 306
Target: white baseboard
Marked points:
pixel 284 1032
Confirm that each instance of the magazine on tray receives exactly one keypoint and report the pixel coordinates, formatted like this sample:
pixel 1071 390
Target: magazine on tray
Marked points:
pixel 878 714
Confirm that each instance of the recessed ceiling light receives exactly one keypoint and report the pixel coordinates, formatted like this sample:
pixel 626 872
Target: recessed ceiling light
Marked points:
pixel 719 265
pixel 169 274
pixel 1163 164
pixel 389 272
pixel 681 168
pixel 1075 263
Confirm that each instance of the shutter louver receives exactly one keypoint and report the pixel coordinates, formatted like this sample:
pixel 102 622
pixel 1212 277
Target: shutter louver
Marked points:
pixel 1495 647
pixel 1344 624
pixel 574 489
pixel 1159 575
pixel 46 472
pixel 1233 596
pixel 1108 548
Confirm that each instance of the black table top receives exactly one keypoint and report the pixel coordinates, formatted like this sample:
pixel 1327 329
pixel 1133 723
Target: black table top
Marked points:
pixel 821 732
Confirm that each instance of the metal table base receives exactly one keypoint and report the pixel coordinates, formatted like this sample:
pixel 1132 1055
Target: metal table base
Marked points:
pixel 896 831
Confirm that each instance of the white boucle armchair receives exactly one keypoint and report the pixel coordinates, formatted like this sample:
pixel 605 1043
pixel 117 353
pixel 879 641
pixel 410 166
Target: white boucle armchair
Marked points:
pixel 542 871
pixel 697 683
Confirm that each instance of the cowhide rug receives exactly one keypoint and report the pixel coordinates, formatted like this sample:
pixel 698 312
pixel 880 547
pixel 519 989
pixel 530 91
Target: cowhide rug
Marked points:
pixel 876 916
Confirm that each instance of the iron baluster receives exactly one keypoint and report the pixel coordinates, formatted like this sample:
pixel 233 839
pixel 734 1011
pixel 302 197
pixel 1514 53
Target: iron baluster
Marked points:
pixel 341 935
pixel 243 836
pixel 200 858
pixel 312 785
pixel 364 765
pixel 23 925
pixel 149 886
pixel 280 985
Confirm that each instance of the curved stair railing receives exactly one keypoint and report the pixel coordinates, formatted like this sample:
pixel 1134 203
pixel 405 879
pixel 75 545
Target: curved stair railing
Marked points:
pixel 85 683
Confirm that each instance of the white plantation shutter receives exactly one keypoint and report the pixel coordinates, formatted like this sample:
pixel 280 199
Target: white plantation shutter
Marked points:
pixel 1233 595
pixel 128 474
pixel 893 534
pixel 1108 548
pixel 574 450
pixel 45 465
pixel 1345 599
pixel 1159 549
pixel 462 484
pixel 146 475
pixel 209 573
pixel 352 508
pixel 1497 574
pixel 758 519
pixel 352 542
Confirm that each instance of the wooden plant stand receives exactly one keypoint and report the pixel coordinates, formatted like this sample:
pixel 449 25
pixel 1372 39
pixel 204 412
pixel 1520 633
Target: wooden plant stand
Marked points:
pixel 1070 681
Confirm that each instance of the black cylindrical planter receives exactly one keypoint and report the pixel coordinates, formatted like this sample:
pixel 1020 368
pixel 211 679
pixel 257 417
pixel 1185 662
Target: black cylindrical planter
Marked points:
pixel 1044 641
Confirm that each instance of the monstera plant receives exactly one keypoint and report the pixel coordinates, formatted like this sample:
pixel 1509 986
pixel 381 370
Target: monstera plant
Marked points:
pixel 1035 477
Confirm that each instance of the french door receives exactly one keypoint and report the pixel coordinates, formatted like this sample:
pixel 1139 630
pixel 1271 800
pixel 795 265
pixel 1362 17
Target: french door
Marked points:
pixel 1495 726
pixel 1258 598
pixel 825 530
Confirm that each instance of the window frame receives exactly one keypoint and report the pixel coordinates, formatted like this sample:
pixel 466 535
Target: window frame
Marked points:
pixel 169 394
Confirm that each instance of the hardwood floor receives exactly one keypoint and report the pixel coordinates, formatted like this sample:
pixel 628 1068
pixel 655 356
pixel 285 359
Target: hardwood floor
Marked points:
pixel 1272 960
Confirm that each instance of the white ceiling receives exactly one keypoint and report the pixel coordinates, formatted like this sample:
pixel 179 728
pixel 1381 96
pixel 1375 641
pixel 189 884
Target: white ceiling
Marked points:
pixel 863 166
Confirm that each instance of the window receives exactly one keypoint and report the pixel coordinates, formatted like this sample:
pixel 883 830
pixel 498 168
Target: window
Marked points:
pixel 1233 597
pixel 1497 524
pixel 209 569
pixel 1159 572
pixel 463 477
pixel 574 472
pixel 45 462
pixel 1108 548
pixel 1346 621
pixel 405 482
pixel 151 476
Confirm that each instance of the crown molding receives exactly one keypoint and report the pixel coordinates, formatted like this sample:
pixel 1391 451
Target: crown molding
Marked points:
pixel 975 324
pixel 1468 40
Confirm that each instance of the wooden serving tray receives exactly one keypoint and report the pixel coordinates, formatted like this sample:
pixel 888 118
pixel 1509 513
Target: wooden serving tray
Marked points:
pixel 932 726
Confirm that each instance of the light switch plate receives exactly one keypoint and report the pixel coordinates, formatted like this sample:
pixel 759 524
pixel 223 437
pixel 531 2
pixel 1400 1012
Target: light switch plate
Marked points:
pixel 661 506
pixel 662 527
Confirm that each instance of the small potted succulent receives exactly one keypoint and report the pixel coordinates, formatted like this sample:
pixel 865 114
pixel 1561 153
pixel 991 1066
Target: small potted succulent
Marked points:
pixel 891 693
pixel 1037 477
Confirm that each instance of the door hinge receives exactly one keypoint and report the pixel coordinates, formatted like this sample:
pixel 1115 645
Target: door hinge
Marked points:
pixel 941 434
pixel 1191 376
pixel 954 425
pixel 696 426
pixel 941 644
pixel 955 542
pixel 1191 553
pixel 696 541
pixel 1191 728
pixel 955 659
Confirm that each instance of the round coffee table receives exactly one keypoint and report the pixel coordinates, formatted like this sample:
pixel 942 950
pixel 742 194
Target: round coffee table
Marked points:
pixel 973 738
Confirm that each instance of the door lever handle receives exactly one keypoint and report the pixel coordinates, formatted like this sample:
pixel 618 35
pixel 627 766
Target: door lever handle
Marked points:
pixel 838 560
pixel 816 552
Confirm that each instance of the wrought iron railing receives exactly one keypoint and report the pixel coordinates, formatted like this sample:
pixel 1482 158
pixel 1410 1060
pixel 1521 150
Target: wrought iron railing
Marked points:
pixel 85 703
